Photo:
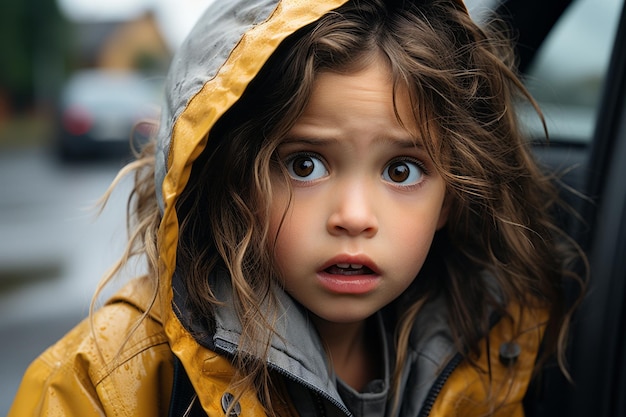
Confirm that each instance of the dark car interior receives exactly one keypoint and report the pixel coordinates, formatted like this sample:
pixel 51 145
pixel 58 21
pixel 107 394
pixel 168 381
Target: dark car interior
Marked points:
pixel 596 168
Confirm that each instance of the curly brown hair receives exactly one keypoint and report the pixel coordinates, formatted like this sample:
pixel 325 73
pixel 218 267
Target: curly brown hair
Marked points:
pixel 463 87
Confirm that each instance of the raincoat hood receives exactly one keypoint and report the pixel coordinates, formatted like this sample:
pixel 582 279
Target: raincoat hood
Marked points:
pixel 209 73
pixel 220 57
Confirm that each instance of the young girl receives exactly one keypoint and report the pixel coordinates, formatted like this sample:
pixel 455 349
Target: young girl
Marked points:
pixel 345 221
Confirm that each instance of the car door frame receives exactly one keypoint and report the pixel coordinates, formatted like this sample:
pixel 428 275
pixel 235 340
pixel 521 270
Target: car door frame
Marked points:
pixel 598 348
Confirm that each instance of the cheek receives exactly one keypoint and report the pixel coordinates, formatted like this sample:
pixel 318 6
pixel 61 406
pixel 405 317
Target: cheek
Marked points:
pixel 284 244
pixel 412 242
pixel 279 202
pixel 413 234
pixel 287 226
pixel 280 228
pixel 295 229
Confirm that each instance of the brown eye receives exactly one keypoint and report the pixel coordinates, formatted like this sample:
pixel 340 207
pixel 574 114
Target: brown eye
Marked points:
pixel 404 172
pixel 305 167
pixel 398 172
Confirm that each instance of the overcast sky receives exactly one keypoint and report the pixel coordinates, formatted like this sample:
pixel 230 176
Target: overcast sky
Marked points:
pixel 175 17
pixel 85 10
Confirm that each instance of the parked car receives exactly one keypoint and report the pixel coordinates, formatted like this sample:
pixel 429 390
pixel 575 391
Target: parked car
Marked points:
pixel 103 112
pixel 573 56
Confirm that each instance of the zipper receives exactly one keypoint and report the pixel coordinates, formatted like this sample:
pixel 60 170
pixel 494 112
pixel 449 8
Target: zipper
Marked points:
pixel 319 394
pixel 227 349
pixel 445 374
pixel 438 385
pixel 320 406
pixel 190 406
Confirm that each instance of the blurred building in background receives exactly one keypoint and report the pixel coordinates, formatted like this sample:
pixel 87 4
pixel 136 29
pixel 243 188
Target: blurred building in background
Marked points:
pixel 42 42
pixel 132 45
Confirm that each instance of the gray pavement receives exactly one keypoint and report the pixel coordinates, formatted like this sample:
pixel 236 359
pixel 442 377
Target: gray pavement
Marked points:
pixel 54 248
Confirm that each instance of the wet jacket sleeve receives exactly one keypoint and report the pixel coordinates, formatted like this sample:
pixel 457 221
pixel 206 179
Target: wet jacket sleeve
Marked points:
pixel 76 377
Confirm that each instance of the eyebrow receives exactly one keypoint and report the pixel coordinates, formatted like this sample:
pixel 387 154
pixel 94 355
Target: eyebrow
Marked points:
pixel 404 142
pixel 315 141
pixel 308 140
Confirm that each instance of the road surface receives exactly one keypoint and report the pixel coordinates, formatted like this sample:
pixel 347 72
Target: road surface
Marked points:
pixel 53 250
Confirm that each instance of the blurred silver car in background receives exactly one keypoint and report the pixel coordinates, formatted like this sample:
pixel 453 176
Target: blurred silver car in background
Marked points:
pixel 104 113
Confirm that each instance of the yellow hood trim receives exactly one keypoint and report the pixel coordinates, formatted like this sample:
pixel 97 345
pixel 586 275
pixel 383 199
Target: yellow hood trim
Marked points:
pixel 189 138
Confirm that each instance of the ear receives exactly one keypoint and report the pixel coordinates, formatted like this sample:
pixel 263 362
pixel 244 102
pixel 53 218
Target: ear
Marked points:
pixel 445 211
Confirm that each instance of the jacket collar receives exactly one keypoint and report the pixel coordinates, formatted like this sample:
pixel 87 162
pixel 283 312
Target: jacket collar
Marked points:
pixel 297 352
pixel 296 349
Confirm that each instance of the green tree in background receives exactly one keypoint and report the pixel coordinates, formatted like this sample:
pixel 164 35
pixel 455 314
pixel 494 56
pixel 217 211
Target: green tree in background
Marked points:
pixel 33 51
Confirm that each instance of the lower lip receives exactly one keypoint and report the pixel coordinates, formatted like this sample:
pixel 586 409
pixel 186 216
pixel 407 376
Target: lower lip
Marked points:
pixel 348 284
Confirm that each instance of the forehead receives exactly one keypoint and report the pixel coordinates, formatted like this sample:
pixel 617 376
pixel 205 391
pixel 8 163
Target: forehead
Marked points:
pixel 361 102
pixel 371 87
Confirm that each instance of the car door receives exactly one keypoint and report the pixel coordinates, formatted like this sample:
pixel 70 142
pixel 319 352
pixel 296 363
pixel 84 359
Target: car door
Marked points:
pixel 588 145
pixel 598 354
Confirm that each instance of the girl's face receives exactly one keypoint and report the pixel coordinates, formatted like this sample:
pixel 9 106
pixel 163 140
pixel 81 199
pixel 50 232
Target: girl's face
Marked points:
pixel 366 199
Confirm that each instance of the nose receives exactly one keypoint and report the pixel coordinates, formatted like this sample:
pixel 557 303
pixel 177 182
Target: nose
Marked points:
pixel 353 211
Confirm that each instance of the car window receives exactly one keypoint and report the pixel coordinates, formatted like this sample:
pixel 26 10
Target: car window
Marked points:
pixel 567 75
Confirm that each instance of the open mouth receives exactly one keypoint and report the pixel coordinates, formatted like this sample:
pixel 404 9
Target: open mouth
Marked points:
pixel 348 269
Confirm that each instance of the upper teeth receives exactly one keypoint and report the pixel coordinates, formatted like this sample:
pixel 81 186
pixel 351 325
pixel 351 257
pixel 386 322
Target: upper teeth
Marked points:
pixel 353 266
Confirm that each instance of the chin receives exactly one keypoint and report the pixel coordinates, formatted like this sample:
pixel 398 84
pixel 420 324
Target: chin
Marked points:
pixel 345 317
